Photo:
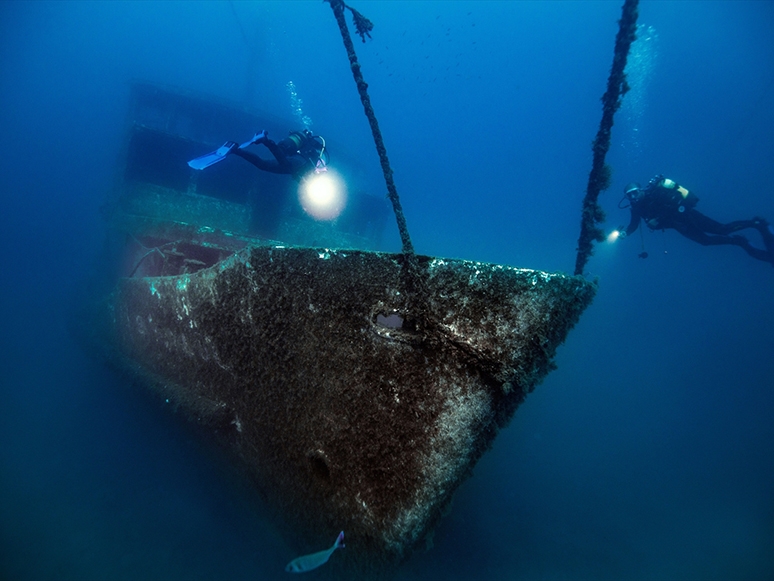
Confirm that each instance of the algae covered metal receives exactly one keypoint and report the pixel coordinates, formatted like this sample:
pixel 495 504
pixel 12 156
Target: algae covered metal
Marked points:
pixel 347 413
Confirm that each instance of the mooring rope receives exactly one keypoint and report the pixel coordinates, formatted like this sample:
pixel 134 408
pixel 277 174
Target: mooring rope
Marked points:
pixel 418 318
pixel 363 27
pixel 599 177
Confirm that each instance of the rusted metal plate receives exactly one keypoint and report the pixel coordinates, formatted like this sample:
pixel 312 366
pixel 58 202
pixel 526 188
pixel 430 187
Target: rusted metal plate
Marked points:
pixel 352 408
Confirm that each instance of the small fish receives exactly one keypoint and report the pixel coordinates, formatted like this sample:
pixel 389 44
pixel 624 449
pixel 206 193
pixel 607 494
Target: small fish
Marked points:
pixel 308 562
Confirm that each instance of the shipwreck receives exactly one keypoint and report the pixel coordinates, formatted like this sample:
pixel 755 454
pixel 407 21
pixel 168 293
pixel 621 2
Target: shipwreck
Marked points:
pixel 353 403
pixel 357 388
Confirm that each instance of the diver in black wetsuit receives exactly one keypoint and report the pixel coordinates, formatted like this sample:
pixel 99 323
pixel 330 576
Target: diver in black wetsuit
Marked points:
pixel 298 154
pixel 665 204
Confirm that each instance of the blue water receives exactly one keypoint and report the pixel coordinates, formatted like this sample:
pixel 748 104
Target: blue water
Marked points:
pixel 648 454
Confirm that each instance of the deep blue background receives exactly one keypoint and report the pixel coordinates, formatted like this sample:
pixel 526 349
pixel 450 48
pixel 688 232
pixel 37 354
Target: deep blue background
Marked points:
pixel 649 453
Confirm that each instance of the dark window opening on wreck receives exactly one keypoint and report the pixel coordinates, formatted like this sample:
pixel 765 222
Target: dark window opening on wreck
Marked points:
pixel 319 465
pixel 387 322
pixel 390 321
pixel 155 157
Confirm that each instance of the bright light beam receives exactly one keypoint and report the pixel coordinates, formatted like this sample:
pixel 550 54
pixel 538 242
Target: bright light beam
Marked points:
pixel 323 195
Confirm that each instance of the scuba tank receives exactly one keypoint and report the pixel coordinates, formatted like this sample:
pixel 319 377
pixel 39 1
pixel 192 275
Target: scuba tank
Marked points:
pixel 679 195
pixel 309 146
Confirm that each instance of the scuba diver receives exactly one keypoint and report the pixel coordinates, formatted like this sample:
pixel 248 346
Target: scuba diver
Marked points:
pixel 298 154
pixel 302 155
pixel 666 204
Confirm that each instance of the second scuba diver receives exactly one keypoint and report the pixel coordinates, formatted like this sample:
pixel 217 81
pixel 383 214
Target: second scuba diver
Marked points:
pixel 666 204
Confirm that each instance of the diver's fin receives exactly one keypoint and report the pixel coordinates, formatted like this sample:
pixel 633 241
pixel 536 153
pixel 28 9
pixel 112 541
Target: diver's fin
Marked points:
pixel 213 157
pixel 258 137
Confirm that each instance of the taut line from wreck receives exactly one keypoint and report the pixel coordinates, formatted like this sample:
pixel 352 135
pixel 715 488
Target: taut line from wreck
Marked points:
pixel 599 177
pixel 364 26
pixel 413 279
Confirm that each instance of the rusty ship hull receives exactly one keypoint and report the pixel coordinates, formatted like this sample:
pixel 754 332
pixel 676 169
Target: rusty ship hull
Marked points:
pixel 306 364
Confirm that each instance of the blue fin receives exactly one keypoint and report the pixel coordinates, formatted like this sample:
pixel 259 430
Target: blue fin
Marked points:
pixel 213 157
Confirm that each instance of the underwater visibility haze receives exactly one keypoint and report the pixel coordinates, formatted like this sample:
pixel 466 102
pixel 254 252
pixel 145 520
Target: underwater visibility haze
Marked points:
pixel 647 454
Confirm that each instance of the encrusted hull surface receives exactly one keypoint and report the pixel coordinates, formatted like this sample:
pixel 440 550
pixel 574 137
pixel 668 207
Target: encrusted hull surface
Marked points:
pixel 352 408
